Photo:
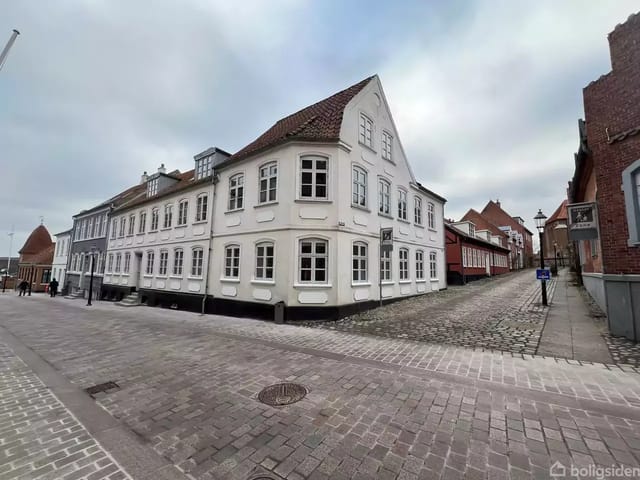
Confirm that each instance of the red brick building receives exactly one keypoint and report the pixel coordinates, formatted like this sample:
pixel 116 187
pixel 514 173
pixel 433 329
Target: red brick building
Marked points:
pixel 608 163
pixel 556 239
pixel 36 257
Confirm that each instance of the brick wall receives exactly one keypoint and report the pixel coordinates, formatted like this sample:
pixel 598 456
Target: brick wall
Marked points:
pixel 612 106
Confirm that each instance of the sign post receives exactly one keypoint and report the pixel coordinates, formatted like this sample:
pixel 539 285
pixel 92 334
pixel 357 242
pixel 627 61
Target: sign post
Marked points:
pixel 583 221
pixel 543 274
pixel 386 245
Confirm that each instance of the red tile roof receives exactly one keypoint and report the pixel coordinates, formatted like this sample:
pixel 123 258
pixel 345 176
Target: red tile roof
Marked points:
pixel 482 223
pixel 319 122
pixel 38 240
pixel 495 212
pixel 560 213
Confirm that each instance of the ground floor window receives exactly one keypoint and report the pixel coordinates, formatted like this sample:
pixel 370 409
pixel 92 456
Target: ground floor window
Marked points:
pixel 127 262
pixel 385 265
pixel 403 257
pixel 164 260
pixel 46 276
pixel 433 265
pixel 419 265
pixel 178 258
pixel 313 257
pixel 150 261
pixel 264 261
pixel 196 262
pixel 359 261
pixel 232 261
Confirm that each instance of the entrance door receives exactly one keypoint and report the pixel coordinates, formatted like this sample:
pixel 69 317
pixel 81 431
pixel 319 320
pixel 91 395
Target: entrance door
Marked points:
pixel 487 262
pixel 138 270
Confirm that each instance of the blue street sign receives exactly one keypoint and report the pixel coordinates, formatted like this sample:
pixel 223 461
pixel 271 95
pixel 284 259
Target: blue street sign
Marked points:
pixel 543 274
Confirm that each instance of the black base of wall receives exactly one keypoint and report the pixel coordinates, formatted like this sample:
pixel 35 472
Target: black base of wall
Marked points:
pixel 115 293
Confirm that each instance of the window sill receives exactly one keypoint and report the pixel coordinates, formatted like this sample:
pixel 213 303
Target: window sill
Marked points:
pixel 312 200
pixel 165 229
pixel 418 225
pixel 388 282
pixel 262 282
pixel 266 204
pixel 199 222
pixel 147 275
pixel 130 235
pixel 360 207
pixel 181 226
pixel 312 285
pixel 176 277
pixel 236 210
pixel 140 233
pixel 386 215
pixel 404 282
pixel 433 230
pixel 153 231
pixel 434 280
pixel 389 160
pixel 402 220
pixel 368 147
pixel 360 284
pixel 422 280
pixel 190 277
pixel 230 280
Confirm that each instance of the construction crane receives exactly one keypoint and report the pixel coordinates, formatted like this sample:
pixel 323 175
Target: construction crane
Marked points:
pixel 5 51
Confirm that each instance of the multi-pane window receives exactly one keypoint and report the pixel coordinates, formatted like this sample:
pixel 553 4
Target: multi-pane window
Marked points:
pixel 402 205
pixel 164 259
pixel 103 227
pixel 183 207
pixel 232 261
pixel 384 197
pixel 313 177
pixel 152 187
pixel 313 260
pixel 417 210
pixel 464 256
pixel 90 228
pixel 203 167
pixel 83 229
pixel 127 262
pixel 150 261
pixel 142 225
pixel 366 131
pixel 154 219
pixel 359 262
pixel 359 187
pixel 419 265
pixel 132 224
pixel 387 143
pixel 433 265
pixel 178 259
pixel 168 215
pixel 114 228
pixel 123 224
pixel 101 262
pixel 118 262
pixel 197 255
pixel 109 263
pixel 236 191
pixel 431 216
pixel 385 265
pixel 264 261
pixel 403 257
pixel 268 182
pixel 201 207
pixel 472 230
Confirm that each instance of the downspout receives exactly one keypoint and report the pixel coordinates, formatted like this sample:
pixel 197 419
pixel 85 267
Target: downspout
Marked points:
pixel 461 260
pixel 214 180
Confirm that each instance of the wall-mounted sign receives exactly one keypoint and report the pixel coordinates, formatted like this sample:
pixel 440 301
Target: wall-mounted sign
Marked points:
pixel 386 239
pixel 583 221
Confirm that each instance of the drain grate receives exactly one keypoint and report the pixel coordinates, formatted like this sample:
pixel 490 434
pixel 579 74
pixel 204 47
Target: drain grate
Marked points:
pixel 282 394
pixel 101 387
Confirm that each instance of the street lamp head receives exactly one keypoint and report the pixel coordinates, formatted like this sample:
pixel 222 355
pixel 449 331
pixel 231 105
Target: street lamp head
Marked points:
pixel 540 218
pixel 93 249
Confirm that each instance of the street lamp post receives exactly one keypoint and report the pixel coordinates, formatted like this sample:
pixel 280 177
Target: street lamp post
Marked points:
pixel 555 255
pixel 540 218
pixel 8 270
pixel 93 260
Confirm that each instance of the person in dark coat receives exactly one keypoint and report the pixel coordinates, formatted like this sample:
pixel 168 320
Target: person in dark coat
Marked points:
pixel 53 287
pixel 23 287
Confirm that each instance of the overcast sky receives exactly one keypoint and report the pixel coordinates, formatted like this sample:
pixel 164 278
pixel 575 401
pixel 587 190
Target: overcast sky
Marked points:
pixel 486 95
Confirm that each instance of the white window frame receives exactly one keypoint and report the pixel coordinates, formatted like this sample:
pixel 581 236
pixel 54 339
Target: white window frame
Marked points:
pixel 183 210
pixel 90 228
pixel 236 192
pixel 152 186
pixel 268 183
pixel 132 225
pixel 151 257
pixel 142 224
pixel 315 175
pixel 231 266
pixel 359 187
pixel 114 228
pixel 402 204
pixel 155 219
pixel 202 204
pixel 197 261
pixel 431 215
pixel 178 262
pixel 204 167
pixel 359 262
pixel 365 131
pixel 384 196
pixel 386 268
pixel 265 262
pixel 433 265
pixel 109 263
pixel 403 264
pixel 631 190
pixel 127 262
pixel 387 146
pixel 168 216
pixel 419 264
pixel 417 210
pixel 164 262
pixel 314 256
pixel 118 262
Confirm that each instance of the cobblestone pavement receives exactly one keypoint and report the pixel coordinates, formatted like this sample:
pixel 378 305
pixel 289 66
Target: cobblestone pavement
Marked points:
pixel 39 437
pixel 377 407
pixel 503 313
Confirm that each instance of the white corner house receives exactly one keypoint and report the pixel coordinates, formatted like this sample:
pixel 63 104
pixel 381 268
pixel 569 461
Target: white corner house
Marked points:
pixel 158 244
pixel 297 215
pixel 61 256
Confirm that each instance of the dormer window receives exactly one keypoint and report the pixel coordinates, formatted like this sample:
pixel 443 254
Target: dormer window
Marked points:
pixel 472 230
pixel 203 167
pixel 152 187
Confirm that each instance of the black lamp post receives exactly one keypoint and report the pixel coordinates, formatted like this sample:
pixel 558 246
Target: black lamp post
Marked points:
pixel 555 255
pixel 540 218
pixel 93 260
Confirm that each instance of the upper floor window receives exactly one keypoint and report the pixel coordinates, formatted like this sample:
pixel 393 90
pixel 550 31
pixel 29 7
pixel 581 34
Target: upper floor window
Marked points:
pixel 268 183
pixel 132 224
pixel 127 262
pixel 417 210
pixel 203 167
pixel 384 200
pixel 90 228
pixel 154 219
pixel 264 261
pixel 433 265
pixel 236 191
pixel 313 177
pixel 365 136
pixel 83 231
pixel 402 204
pixel 197 255
pixel 387 143
pixel 431 215
pixel 183 206
pixel 201 207
pixel 152 187
pixel 178 259
pixel 403 257
pixel 142 224
pixel 232 261
pixel 313 258
pixel 472 230
pixel 164 259
pixel 360 262
pixel 123 223
pixel 168 216
pixel 150 261
pixel 385 265
pixel 359 187
pixel 419 265
pixel 103 227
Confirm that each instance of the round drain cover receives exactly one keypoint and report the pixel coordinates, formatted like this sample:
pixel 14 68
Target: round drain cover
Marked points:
pixel 282 394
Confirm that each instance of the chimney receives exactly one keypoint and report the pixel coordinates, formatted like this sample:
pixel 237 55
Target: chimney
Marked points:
pixel 498 202
pixel 161 168
pixel 144 178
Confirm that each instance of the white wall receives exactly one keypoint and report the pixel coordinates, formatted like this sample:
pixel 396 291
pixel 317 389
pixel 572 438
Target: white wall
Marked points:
pixel 60 257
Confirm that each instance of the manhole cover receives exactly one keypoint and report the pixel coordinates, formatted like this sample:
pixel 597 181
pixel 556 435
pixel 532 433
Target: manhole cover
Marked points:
pixel 282 394
pixel 102 387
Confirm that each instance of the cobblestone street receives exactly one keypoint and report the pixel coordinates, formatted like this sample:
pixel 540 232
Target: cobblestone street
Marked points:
pixel 376 408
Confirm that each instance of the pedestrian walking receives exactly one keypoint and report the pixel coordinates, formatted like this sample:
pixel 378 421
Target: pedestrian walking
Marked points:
pixel 23 288
pixel 53 288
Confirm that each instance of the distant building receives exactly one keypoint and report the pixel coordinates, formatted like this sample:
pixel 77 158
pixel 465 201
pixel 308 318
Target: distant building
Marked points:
pixel 608 173
pixel 13 265
pixel 36 257
pixel 60 257
pixel 522 238
pixel 556 239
